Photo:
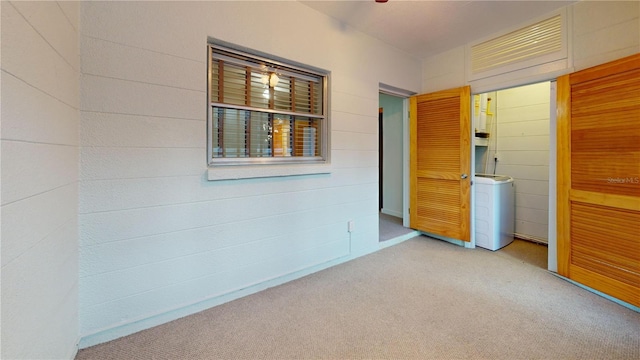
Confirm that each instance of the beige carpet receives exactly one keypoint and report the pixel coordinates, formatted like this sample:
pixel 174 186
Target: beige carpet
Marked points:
pixel 421 299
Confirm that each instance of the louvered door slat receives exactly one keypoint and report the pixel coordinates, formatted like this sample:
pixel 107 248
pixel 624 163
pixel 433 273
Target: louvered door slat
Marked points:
pixel 439 155
pixel 599 178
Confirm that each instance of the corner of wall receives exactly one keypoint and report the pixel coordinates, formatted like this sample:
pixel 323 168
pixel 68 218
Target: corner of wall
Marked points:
pixel 40 163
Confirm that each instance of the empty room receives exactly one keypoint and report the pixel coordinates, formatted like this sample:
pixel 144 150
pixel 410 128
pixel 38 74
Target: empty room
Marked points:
pixel 212 179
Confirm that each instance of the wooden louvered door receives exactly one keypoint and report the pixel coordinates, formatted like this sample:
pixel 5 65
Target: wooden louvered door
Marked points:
pixel 599 178
pixel 440 163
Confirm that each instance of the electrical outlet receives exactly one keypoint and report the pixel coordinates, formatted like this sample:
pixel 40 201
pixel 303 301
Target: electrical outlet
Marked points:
pixel 350 225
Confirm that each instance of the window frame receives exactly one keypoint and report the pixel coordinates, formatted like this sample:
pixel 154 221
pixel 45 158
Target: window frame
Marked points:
pixel 324 127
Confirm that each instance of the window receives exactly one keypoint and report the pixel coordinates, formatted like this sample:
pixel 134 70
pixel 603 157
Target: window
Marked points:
pixel 264 111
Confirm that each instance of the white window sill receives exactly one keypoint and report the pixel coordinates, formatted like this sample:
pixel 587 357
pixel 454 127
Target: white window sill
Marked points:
pixel 217 173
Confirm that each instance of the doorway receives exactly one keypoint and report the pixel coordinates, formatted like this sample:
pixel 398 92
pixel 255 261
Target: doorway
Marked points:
pixel 392 127
pixel 516 140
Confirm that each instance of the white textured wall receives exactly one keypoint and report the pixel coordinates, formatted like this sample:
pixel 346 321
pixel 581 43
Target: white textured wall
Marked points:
pixel 157 239
pixel 40 125
pixel 604 31
pixel 444 71
pixel 523 153
pixel 392 161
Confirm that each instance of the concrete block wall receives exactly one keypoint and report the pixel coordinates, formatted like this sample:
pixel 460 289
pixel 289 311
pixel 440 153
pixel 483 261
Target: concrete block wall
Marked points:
pixel 40 156
pixel 604 31
pixel 523 153
pixel 159 241
pixel 444 71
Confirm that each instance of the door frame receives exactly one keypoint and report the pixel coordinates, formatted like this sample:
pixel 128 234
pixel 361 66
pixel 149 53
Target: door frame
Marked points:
pixel 404 95
pixel 551 229
pixel 552 239
pixel 406 139
pixel 380 158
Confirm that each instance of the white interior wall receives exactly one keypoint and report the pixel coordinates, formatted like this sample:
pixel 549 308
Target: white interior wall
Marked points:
pixel 39 141
pixel 604 31
pixel 444 71
pixel 392 160
pixel 523 153
pixel 158 241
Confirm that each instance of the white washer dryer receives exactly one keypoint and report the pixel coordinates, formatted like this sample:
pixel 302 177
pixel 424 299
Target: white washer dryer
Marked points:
pixel 494 210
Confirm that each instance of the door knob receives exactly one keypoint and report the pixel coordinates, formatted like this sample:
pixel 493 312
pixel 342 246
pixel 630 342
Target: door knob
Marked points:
pixel 464 176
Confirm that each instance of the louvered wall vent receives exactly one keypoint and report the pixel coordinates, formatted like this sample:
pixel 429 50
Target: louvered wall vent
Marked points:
pixel 536 40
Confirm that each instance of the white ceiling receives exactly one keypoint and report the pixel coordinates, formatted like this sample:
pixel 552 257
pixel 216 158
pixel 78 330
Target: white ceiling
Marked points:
pixel 424 28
